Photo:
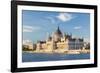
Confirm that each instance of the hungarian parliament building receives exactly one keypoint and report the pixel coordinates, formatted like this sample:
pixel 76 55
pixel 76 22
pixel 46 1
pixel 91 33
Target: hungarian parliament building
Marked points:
pixel 57 42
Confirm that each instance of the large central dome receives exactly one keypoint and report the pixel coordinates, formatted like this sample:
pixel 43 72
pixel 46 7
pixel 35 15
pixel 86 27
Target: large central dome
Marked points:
pixel 57 35
pixel 58 32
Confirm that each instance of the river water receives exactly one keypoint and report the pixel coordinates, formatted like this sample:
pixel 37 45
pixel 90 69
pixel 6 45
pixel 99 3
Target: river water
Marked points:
pixel 38 57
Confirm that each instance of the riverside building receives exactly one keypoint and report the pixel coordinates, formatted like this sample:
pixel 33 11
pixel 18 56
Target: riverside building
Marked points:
pixel 59 42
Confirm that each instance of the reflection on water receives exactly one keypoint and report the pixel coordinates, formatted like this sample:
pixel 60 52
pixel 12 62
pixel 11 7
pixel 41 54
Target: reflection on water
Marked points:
pixel 36 57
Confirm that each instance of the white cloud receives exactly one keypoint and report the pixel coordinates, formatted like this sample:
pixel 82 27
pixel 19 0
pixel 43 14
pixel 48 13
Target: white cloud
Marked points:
pixel 77 27
pixel 27 28
pixel 64 17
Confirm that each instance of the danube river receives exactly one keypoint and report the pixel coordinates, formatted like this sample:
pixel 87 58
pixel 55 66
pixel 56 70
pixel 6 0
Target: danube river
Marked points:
pixel 37 57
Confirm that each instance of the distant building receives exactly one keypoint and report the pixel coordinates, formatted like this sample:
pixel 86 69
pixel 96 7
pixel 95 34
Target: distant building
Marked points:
pixel 59 41
pixel 86 45
pixel 29 45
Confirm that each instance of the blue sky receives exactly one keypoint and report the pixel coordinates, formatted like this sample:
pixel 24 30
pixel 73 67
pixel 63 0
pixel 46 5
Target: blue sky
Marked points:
pixel 36 24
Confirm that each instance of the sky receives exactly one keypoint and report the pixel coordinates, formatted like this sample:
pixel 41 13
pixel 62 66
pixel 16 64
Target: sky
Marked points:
pixel 36 24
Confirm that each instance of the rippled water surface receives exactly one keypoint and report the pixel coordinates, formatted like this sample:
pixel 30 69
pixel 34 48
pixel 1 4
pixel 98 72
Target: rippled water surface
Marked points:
pixel 36 57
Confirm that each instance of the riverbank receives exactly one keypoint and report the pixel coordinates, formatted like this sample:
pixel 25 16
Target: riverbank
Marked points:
pixel 62 52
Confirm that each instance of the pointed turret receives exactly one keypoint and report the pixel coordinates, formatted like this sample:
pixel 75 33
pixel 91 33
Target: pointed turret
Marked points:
pixel 57 34
pixel 58 31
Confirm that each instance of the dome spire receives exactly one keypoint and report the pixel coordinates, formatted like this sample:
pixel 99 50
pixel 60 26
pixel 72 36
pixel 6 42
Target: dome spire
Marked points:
pixel 58 31
pixel 58 27
pixel 57 34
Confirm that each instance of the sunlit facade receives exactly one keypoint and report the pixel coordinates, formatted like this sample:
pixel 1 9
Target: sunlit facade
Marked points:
pixel 59 41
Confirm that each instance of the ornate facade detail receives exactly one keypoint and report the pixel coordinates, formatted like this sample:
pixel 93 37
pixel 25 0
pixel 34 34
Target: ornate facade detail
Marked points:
pixel 59 41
